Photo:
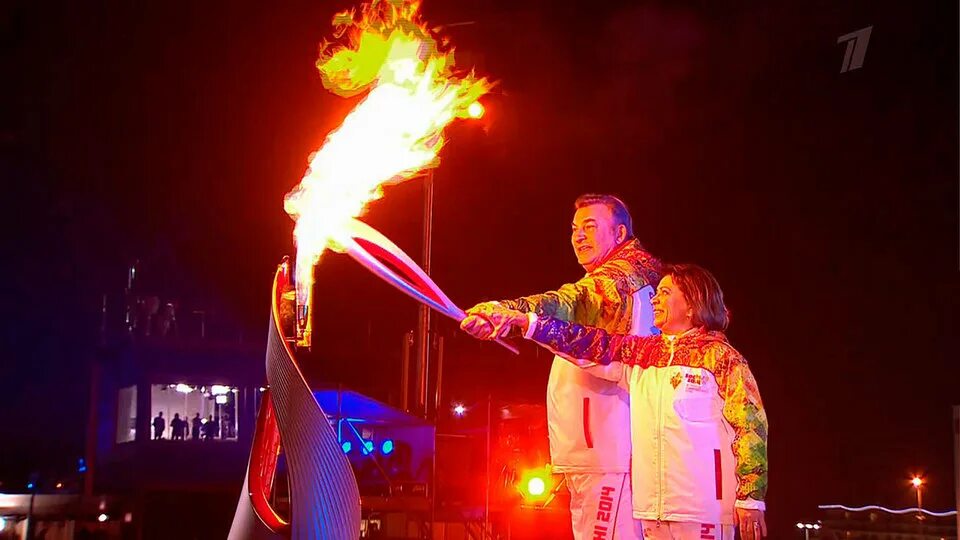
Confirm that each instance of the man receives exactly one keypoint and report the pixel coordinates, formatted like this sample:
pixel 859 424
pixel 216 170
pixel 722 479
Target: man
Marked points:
pixel 159 426
pixel 589 417
pixel 209 429
pixel 178 426
pixel 196 424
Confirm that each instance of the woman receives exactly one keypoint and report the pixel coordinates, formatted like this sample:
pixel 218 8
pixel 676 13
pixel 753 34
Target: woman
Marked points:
pixel 698 427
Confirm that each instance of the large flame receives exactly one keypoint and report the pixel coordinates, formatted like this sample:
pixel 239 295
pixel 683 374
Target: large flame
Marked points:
pixel 394 133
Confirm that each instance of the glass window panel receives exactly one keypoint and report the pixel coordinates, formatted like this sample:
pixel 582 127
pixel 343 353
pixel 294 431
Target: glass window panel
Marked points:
pixel 127 414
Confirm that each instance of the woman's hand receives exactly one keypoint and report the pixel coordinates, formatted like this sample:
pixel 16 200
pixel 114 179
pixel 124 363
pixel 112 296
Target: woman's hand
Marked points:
pixel 751 523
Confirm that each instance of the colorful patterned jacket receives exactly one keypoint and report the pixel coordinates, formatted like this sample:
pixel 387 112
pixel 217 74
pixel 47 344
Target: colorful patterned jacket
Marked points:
pixel 697 421
pixel 588 418
pixel 602 298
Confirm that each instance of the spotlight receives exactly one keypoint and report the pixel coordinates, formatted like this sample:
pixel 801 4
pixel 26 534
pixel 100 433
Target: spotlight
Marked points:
pixel 475 110
pixel 102 517
pixel 386 447
pixel 459 409
pixel 535 484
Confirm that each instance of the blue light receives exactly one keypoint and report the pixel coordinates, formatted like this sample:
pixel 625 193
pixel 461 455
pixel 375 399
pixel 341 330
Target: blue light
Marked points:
pixel 346 447
pixel 30 485
pixel 386 447
pixel 367 447
pixel 81 465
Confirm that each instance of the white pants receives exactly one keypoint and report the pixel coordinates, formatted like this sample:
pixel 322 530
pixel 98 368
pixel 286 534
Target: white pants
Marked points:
pixel 677 530
pixel 601 506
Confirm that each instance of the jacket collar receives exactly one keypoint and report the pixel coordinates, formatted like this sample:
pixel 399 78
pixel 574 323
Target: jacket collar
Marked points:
pixel 696 334
pixel 625 250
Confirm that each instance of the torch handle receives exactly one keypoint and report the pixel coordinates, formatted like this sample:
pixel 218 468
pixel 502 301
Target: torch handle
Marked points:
pixel 415 283
pixel 459 316
pixel 508 346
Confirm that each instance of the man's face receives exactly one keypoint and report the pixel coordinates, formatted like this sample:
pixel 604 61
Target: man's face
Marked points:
pixel 594 235
pixel 671 312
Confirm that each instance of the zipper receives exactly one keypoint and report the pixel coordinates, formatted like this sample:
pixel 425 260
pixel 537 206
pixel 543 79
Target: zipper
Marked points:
pixel 672 340
pixel 661 469
pixel 659 447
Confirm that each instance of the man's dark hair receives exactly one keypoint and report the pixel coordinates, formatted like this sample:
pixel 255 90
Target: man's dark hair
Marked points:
pixel 621 215
pixel 703 295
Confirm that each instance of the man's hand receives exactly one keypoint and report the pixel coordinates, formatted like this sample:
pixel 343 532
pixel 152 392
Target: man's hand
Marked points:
pixel 477 326
pixel 490 320
pixel 476 323
pixel 751 523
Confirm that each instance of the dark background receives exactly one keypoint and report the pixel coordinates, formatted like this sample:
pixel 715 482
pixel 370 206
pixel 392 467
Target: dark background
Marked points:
pixel 825 203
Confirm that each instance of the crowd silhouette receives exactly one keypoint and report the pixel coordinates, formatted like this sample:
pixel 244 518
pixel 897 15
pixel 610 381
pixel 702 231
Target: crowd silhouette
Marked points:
pixel 198 428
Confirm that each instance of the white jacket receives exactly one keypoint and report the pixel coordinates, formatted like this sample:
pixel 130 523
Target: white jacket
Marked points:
pixel 589 418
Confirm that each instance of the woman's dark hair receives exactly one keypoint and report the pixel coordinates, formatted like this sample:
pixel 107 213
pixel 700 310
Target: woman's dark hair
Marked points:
pixel 703 294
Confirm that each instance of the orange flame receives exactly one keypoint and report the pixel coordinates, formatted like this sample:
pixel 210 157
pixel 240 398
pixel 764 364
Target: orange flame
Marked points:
pixel 392 135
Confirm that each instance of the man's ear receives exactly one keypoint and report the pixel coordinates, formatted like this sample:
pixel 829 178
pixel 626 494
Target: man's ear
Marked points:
pixel 621 233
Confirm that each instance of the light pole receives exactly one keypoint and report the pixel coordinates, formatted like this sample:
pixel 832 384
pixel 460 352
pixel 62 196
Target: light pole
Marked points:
pixel 459 410
pixel 917 483
pixel 807 527
pixel 30 528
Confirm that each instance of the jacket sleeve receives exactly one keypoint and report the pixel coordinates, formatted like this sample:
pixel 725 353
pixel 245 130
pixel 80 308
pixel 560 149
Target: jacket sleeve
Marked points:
pixel 600 295
pixel 743 409
pixel 582 345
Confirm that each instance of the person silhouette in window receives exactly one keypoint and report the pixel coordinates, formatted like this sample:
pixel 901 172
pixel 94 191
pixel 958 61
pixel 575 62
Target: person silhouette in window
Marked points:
pixel 179 427
pixel 159 425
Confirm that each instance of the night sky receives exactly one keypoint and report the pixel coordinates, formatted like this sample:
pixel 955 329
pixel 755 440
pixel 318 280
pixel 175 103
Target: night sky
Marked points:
pixel 826 203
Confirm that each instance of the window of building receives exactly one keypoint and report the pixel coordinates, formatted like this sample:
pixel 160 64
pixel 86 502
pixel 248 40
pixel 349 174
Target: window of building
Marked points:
pixel 184 411
pixel 127 414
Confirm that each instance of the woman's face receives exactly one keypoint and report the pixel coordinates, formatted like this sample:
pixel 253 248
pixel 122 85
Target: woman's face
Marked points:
pixel 671 312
